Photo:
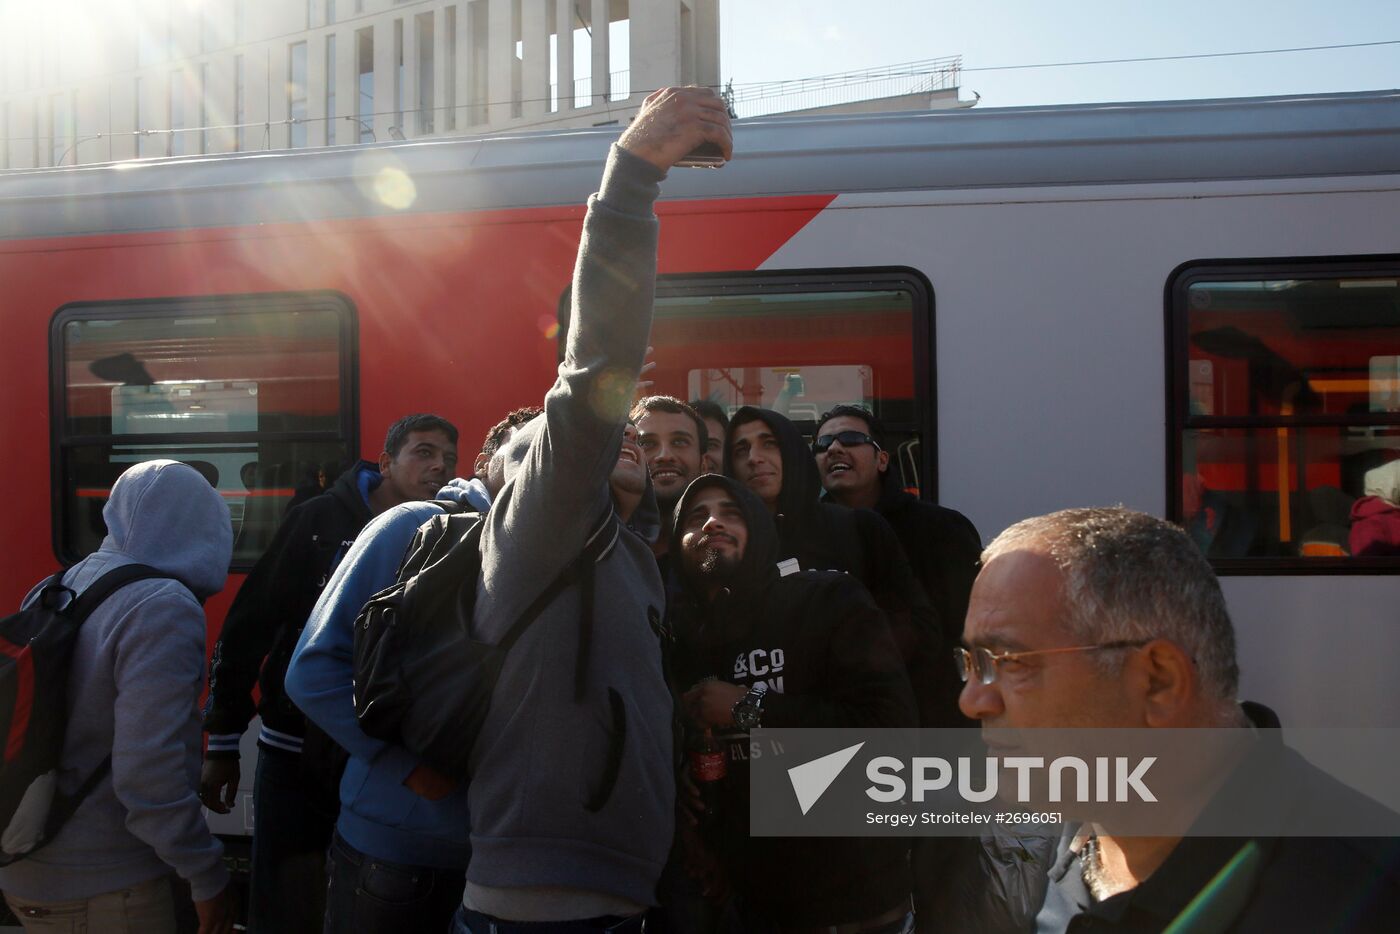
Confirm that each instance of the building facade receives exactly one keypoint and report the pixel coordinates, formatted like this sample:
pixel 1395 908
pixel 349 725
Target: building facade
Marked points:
pixel 85 81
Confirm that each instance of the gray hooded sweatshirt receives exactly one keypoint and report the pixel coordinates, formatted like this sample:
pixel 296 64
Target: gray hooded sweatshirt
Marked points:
pixel 572 791
pixel 133 690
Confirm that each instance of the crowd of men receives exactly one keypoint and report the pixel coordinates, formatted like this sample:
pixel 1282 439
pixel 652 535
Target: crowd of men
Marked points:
pixel 747 578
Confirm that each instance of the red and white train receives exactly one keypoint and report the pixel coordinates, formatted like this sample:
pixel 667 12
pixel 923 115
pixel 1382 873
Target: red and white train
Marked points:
pixel 1190 308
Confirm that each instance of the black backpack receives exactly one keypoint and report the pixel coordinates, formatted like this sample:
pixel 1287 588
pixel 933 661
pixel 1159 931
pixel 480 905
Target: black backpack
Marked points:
pixel 421 681
pixel 36 651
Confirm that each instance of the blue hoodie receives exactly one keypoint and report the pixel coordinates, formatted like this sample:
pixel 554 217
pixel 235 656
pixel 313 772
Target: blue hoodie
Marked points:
pixel 378 815
pixel 137 670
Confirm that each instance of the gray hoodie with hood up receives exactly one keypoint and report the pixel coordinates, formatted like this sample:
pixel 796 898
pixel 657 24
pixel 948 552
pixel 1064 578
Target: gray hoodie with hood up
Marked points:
pixel 572 791
pixel 137 670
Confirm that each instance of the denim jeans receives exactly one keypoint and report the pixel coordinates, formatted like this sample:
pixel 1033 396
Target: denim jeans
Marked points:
pixel 292 823
pixel 474 922
pixel 374 896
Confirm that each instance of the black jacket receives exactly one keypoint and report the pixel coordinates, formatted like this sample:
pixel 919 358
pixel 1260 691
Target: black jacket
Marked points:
pixel 826 536
pixel 1296 883
pixel 943 548
pixel 271 608
pixel 824 648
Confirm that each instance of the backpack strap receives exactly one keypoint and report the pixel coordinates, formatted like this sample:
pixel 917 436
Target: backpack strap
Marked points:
pixel 602 539
pixel 102 588
pixel 65 806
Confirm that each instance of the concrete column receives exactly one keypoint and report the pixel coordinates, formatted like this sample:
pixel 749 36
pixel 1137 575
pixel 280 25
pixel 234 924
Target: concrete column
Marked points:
pixel 316 89
pixel 443 94
pixel 384 78
pixel 705 18
pixel 564 53
pixel 501 62
pixel 602 60
pixel 534 83
pixel 465 63
pixel 410 127
pixel 656 44
pixel 347 90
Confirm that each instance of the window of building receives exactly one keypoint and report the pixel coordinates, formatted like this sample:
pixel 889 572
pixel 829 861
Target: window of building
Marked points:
pixel 5 135
pixel 478 62
pixel 330 86
pixel 296 95
pixel 256 393
pixel 240 104
pixel 800 343
pixel 364 67
pixel 330 12
pixel 1285 401
pixel 426 96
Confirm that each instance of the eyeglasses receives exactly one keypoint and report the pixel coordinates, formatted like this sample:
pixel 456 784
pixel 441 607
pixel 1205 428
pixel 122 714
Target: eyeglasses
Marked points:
pixel 848 439
pixel 983 662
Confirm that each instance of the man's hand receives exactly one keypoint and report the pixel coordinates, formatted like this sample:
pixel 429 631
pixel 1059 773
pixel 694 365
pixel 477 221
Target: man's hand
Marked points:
pixel 218 784
pixel 712 703
pixel 674 121
pixel 216 914
pixel 427 782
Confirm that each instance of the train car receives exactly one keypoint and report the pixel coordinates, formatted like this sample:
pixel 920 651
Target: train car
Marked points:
pixel 1191 308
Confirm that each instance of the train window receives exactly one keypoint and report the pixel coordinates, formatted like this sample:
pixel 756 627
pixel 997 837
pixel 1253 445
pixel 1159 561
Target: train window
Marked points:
pixel 801 343
pixel 255 392
pixel 1286 413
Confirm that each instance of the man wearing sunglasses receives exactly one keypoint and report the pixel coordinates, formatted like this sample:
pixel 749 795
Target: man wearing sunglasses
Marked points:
pixel 941 544
pixel 1109 618
pixel 767 454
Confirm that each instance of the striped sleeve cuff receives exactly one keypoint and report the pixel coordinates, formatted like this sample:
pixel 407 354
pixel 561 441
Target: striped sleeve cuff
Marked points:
pixel 223 745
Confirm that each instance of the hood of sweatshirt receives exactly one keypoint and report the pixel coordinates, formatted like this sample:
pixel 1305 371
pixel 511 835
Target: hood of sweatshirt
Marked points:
pixel 646 518
pixel 165 514
pixel 758 568
pixel 802 485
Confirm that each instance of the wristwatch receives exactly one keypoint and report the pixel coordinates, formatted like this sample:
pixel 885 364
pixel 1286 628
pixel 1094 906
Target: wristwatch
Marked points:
pixel 748 710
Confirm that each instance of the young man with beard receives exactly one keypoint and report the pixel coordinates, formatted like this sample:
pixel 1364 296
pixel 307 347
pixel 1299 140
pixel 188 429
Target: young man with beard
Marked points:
pixel 767 454
pixel 809 649
pixel 400 851
pixel 294 796
pixel 572 792
pixel 674 439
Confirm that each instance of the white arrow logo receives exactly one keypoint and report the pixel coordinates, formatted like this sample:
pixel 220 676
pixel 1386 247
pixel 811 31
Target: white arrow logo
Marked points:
pixel 811 779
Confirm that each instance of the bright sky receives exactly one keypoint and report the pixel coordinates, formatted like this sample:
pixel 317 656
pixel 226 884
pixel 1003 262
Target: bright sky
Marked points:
pixel 768 40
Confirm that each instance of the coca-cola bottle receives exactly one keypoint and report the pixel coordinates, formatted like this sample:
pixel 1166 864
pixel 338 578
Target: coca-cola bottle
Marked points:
pixel 708 767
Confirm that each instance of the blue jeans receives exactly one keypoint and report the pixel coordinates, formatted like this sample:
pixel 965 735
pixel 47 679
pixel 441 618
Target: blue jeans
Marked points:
pixel 466 921
pixel 374 896
pixel 292 824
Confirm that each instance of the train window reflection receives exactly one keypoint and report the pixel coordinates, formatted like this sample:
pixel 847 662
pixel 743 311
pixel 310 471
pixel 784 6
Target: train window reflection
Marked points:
pixel 253 392
pixel 1286 412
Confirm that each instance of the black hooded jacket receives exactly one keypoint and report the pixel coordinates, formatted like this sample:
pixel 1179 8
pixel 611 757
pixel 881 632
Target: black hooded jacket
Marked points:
pixel 823 535
pixel 825 651
pixel 271 608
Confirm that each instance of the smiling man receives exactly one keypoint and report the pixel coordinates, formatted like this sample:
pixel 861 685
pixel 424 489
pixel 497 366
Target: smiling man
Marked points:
pixel 674 439
pixel 771 649
pixel 572 794
pixel 941 544
pixel 768 456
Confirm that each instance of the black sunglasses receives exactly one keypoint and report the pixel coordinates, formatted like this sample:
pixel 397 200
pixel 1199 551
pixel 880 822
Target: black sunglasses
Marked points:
pixel 848 439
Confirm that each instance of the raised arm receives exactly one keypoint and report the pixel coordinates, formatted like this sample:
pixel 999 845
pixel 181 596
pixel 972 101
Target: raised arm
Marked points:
pixel 557 470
